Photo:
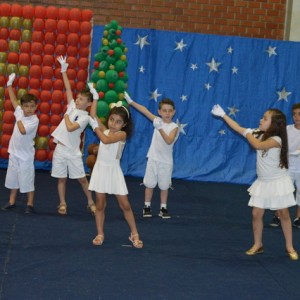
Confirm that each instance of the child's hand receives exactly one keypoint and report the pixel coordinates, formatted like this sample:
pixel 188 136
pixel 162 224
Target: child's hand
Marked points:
pixel 63 63
pixel 18 113
pixel 127 98
pixel 70 108
pixel 157 123
pixel 11 79
pixel 218 111
pixel 248 130
pixel 93 91
pixel 93 123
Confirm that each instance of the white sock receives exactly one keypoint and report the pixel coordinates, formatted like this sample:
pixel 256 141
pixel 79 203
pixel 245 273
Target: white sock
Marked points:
pixel 163 206
pixel 148 204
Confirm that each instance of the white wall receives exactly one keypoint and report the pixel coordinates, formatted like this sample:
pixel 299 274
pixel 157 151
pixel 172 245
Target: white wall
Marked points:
pixel 293 20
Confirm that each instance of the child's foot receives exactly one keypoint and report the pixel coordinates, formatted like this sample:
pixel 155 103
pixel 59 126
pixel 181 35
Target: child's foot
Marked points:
pixel 8 206
pixel 275 222
pixel 293 255
pixel 91 208
pixel 62 209
pixel 29 210
pixel 163 213
pixel 147 212
pixel 135 240
pixel 98 240
pixel 255 250
pixel 296 222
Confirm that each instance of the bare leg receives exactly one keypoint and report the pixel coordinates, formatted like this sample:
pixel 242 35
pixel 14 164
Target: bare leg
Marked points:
pixel 100 212
pixel 61 186
pixel 298 211
pixel 13 196
pixel 148 194
pixel 164 196
pixel 30 196
pixel 85 186
pixel 257 226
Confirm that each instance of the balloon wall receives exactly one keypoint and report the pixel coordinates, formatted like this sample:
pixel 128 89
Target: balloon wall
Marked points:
pixel 30 40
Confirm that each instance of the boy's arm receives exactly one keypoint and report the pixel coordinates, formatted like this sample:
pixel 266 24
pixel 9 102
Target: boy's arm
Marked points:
pixel 169 139
pixel 71 126
pixel 64 66
pixel 11 93
pixel 142 109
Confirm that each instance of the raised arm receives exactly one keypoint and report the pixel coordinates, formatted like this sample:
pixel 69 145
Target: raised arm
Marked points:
pixel 64 66
pixel 11 93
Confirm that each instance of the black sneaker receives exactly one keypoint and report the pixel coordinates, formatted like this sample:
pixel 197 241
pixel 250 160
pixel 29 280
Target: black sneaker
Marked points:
pixel 8 206
pixel 29 210
pixel 163 213
pixel 275 222
pixel 147 212
pixel 296 222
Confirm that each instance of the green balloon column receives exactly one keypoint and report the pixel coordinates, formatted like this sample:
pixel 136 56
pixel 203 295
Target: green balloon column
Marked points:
pixel 109 74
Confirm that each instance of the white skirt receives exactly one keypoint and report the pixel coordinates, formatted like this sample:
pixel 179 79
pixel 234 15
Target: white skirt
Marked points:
pixel 108 178
pixel 275 194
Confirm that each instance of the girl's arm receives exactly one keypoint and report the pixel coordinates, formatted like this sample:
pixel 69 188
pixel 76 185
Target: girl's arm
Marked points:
pixel 93 112
pixel 64 66
pixel 119 136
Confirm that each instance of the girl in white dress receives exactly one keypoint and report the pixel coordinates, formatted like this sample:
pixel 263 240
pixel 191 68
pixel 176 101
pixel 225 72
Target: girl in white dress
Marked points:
pixel 273 189
pixel 107 176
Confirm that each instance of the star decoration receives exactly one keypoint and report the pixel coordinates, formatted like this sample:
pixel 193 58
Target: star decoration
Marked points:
pixel 229 50
pixel 213 65
pixel 180 45
pixel 208 86
pixel 271 51
pixel 232 111
pixel 183 98
pixel 142 41
pixel 283 94
pixel 222 132
pixel 155 95
pixel 194 67
pixel 142 69
pixel 181 127
pixel 234 70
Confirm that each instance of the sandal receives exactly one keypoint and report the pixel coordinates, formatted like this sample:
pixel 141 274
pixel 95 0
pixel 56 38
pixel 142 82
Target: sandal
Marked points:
pixel 62 209
pixel 91 209
pixel 137 243
pixel 98 240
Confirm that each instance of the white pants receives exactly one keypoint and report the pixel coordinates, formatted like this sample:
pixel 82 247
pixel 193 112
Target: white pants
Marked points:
pixel 20 174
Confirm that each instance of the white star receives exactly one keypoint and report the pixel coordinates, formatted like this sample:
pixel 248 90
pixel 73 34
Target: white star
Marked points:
pixel 234 70
pixel 142 69
pixel 181 127
pixel 208 86
pixel 222 132
pixel 155 95
pixel 183 98
pixel 271 51
pixel 229 50
pixel 283 94
pixel 142 41
pixel 180 45
pixel 194 67
pixel 232 111
pixel 213 65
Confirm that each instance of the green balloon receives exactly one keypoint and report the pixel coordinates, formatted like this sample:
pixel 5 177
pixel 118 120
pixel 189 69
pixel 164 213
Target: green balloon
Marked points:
pixel 104 50
pixel 3 69
pixel 21 93
pixel 118 52
pixel 103 66
pixel 41 142
pixel 23 71
pixel 113 43
pixel 98 57
pixel 27 24
pixel 15 23
pixel 14 46
pixel 110 97
pixel 4 22
pixel 3 57
pixel 120 65
pixel 102 85
pixel 1 93
pixel 11 68
pixel 111 76
pixel 119 86
pixel 125 77
pixel 102 109
pixel 95 76
pixel 26 35
pixel 114 24
pixel 110 59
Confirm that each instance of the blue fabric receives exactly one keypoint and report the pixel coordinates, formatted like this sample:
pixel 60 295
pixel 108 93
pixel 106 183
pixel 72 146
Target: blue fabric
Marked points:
pixel 206 150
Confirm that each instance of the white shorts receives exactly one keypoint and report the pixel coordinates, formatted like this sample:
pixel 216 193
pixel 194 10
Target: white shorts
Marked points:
pixel 158 173
pixel 20 174
pixel 296 180
pixel 67 162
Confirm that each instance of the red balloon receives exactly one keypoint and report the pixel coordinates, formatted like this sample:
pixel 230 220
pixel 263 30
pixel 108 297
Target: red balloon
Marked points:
pixel 25 47
pixel 47 72
pixel 28 11
pixel 58 84
pixel 8 128
pixel 47 84
pixel 45 96
pixel 5 140
pixel 35 92
pixel 86 14
pixel 55 119
pixel 52 128
pixel 16 10
pixel 50 155
pixel 36 59
pixel 52 12
pixel 51 143
pixel 61 39
pixel 73 85
pixel 71 74
pixel 72 51
pixel 74 26
pixel 34 83
pixel 24 59
pixel 4 153
pixel 56 108
pixel 41 155
pixel 57 73
pixel 75 14
pixel 85 40
pixel 13 58
pixel 60 50
pixel 5 9
pixel 50 25
pixel 73 39
pixel 43 130
pixel 85 27
pixel 72 61
pixel 15 34
pixel 38 36
pixel 80 85
pixel 8 117
pixel 35 71
pixel 8 105
pixel 48 60
pixel 23 82
pixel 37 48
pixel 44 119
pixel 3 46
pixel 4 33
pixel 40 12
pixel 84 52
pixel 62 26
pixel 82 75
pixel 44 107
pixel 57 96
pixel 38 24
pixel 49 49
pixel 63 13
pixel 50 38
pixel 83 63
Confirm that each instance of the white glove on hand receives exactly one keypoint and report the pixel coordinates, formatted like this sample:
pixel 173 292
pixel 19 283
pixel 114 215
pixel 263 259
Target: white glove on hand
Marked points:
pixel 70 108
pixel 11 79
pixel 127 98
pixel 63 63
pixel 157 123
pixel 93 123
pixel 218 111
pixel 248 130
pixel 93 91
pixel 18 113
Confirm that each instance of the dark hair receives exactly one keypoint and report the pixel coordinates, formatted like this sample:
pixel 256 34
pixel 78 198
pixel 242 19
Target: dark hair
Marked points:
pixel 86 93
pixel 166 101
pixel 28 98
pixel 296 106
pixel 124 113
pixel 278 128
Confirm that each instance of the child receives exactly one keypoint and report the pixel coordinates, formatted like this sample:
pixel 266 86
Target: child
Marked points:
pixel 160 155
pixel 293 132
pixel 107 176
pixel 67 157
pixel 20 171
pixel 273 188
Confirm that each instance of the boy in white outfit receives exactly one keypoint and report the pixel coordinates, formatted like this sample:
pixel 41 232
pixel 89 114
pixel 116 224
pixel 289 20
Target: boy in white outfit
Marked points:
pixel 67 157
pixel 160 155
pixel 20 171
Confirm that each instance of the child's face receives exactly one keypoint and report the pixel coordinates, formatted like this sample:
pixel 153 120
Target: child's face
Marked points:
pixel 82 102
pixel 115 123
pixel 265 121
pixel 167 113
pixel 29 108
pixel 296 117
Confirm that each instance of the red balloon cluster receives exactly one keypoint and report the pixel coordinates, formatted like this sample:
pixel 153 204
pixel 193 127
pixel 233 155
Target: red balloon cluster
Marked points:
pixel 30 40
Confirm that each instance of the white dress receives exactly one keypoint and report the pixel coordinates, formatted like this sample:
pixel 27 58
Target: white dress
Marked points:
pixel 273 189
pixel 107 176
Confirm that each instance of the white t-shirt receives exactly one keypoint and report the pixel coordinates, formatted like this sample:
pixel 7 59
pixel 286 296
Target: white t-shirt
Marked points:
pixel 22 145
pixel 67 138
pixel 294 144
pixel 159 150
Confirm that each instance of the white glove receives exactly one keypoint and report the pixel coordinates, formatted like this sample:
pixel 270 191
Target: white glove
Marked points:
pixel 63 63
pixel 93 91
pixel 11 79
pixel 18 113
pixel 218 111
pixel 70 108
pixel 295 153
pixel 93 123
pixel 248 130
pixel 157 123
pixel 127 98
